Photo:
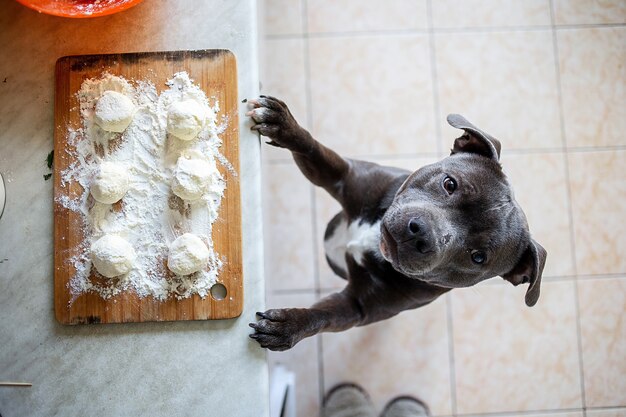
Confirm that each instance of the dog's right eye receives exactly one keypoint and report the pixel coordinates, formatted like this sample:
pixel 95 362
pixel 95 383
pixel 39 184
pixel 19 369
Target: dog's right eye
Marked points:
pixel 449 185
pixel 478 257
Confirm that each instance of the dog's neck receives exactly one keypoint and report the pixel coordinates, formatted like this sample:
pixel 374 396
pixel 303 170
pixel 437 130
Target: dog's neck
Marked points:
pixel 363 238
pixel 356 239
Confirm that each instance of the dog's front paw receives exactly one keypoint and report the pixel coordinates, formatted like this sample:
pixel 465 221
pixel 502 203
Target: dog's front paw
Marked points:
pixel 279 329
pixel 273 119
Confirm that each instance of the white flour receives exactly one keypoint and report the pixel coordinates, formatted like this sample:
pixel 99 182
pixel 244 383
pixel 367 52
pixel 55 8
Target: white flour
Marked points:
pixel 149 216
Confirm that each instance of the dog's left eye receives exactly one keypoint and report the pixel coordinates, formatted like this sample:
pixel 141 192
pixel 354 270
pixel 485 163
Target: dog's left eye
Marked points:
pixel 449 185
pixel 478 257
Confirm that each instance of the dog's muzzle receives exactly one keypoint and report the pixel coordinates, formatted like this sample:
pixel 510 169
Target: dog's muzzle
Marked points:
pixel 408 242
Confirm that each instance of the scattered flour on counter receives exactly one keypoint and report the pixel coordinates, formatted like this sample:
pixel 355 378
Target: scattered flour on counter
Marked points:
pixel 149 216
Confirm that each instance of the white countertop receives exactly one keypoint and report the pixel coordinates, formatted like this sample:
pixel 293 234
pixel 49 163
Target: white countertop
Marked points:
pixel 206 368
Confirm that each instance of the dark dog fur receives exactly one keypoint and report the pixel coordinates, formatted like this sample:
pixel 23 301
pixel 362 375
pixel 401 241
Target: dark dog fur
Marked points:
pixel 402 239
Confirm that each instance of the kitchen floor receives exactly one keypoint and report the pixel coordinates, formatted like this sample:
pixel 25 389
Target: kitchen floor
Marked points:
pixel 374 80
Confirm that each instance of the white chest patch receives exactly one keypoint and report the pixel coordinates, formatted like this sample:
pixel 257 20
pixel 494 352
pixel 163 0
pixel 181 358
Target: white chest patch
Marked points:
pixel 354 239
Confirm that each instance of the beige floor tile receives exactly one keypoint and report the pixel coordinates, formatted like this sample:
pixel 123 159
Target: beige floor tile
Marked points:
pixel 281 17
pixel 510 357
pixel 407 354
pixel 502 82
pixel 490 13
pixel 288 228
pixel 302 359
pixel 593 79
pixel 603 330
pixel 372 95
pixel 326 208
pixel 572 12
pixel 541 190
pixel 283 76
pixel 272 153
pixel 365 15
pixel 598 195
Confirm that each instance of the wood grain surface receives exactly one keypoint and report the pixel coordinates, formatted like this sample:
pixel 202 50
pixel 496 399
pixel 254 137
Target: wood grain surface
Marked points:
pixel 216 73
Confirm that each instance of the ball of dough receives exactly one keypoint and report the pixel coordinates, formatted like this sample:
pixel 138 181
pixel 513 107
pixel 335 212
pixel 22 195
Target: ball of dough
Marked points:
pixel 111 183
pixel 114 111
pixel 192 177
pixel 188 254
pixel 185 119
pixel 112 256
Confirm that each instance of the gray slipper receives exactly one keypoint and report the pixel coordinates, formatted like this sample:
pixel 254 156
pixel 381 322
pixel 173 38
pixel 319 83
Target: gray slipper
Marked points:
pixel 347 400
pixel 405 406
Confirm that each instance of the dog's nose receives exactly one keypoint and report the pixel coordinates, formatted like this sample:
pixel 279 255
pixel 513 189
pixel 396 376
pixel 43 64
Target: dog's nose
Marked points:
pixel 419 230
pixel 416 226
pixel 424 246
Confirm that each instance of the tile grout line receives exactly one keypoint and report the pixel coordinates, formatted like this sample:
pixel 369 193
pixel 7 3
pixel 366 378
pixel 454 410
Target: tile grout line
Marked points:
pixel 583 149
pixel 608 407
pixel 451 31
pixel 451 358
pixel 439 147
pixel 527 151
pixel 432 52
pixel 590 277
pixel 309 119
pixel 309 114
pixel 535 28
pixel 490 283
pixel 559 87
pixel 553 412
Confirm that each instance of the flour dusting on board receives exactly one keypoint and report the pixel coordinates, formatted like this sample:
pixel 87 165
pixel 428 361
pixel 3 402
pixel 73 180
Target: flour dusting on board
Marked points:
pixel 150 216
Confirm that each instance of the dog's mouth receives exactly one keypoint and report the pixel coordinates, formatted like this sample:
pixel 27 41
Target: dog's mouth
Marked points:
pixel 388 246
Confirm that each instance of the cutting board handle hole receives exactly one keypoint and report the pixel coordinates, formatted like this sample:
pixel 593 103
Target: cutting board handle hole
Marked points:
pixel 218 291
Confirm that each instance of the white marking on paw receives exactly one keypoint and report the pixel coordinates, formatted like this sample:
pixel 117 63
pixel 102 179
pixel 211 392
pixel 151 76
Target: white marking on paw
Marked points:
pixel 259 113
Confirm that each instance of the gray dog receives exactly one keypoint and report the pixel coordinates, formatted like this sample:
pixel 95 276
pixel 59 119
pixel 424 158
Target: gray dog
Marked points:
pixel 402 239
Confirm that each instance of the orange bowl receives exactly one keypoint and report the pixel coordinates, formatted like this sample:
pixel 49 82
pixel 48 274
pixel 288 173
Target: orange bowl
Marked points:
pixel 79 8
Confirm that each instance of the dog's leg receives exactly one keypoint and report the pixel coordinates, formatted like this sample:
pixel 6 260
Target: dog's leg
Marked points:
pixel 321 165
pixel 281 329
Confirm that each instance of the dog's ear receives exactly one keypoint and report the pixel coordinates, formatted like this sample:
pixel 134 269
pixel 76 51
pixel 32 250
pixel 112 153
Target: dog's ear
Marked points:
pixel 528 270
pixel 474 140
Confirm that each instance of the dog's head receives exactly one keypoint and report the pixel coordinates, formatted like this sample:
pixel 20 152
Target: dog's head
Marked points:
pixel 456 222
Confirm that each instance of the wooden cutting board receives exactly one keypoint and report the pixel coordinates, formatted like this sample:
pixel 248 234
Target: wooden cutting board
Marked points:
pixel 215 71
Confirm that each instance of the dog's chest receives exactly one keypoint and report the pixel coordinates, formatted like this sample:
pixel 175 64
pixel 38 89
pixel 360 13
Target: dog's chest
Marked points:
pixel 355 239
